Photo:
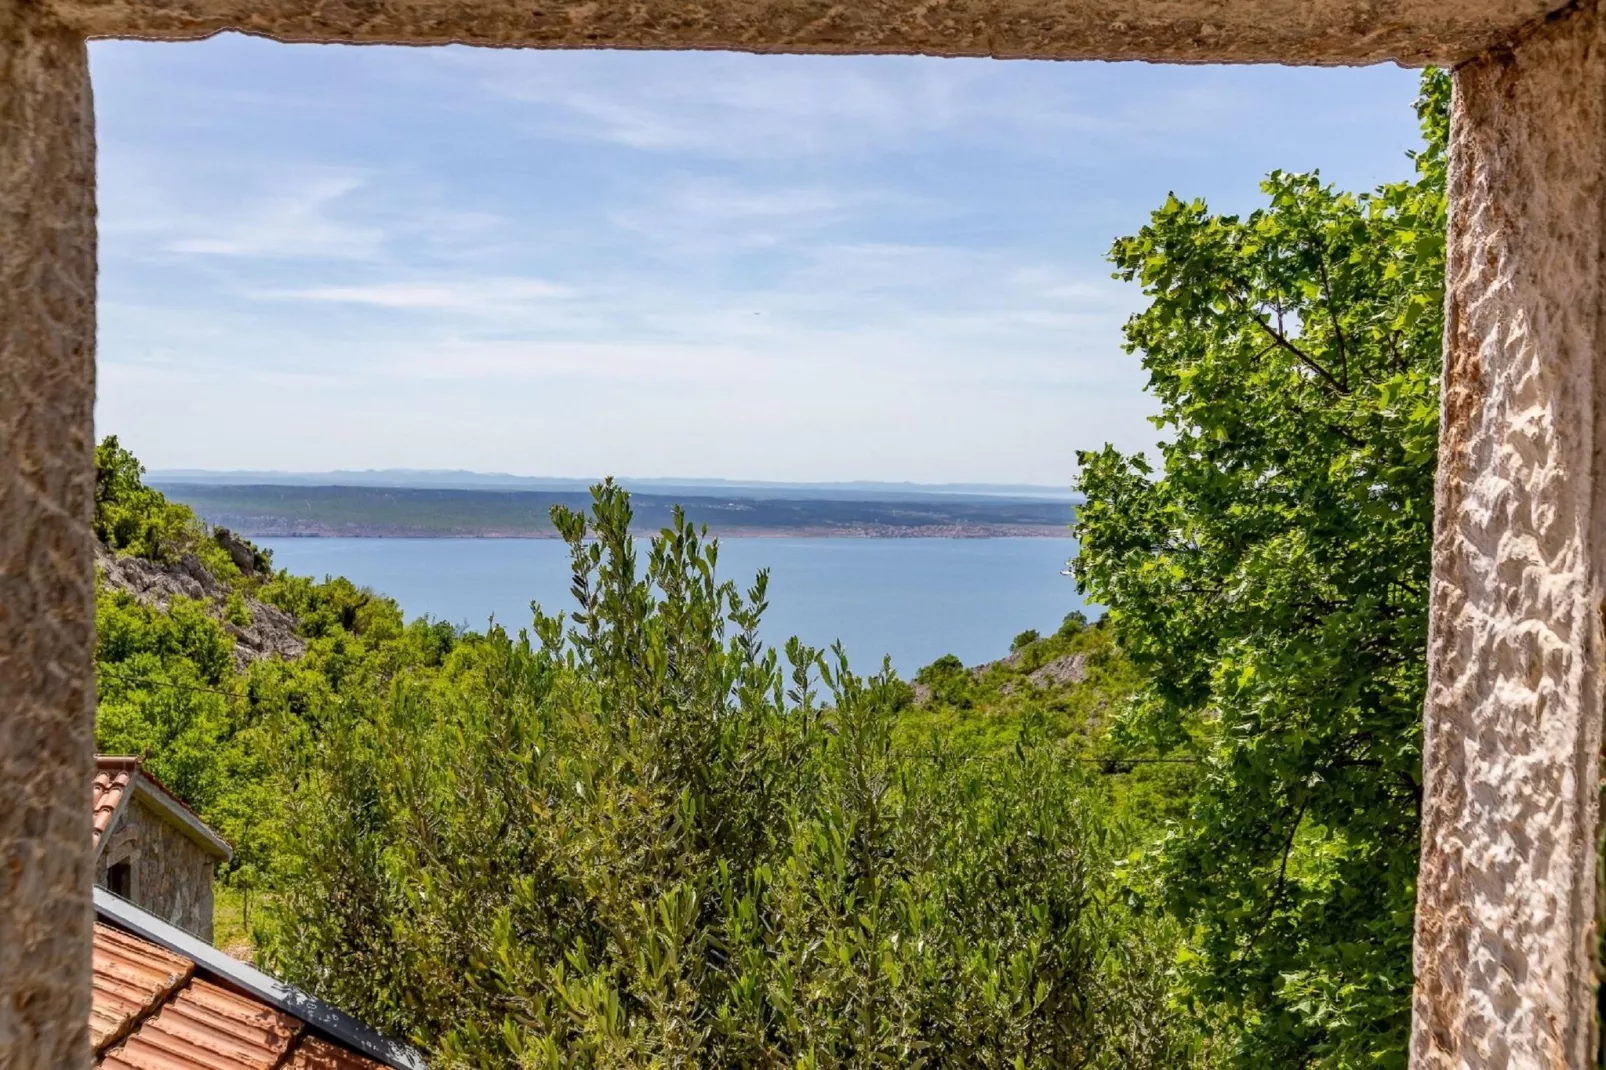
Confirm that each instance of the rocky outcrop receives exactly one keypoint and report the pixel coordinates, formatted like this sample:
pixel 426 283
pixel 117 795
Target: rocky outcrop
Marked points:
pixel 271 632
pixel 247 558
pixel 1063 671
pixel 1070 669
pixel 1007 662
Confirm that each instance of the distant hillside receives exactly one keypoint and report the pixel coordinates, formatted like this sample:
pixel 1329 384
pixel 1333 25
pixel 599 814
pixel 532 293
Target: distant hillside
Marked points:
pixel 676 487
pixel 440 512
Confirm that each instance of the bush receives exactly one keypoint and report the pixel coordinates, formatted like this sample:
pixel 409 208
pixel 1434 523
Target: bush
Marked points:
pixel 1024 639
pixel 1074 623
pixel 132 518
pixel 647 839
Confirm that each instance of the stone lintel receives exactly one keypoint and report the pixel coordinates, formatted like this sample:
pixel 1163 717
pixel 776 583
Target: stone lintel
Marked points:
pixel 1411 32
pixel 1505 930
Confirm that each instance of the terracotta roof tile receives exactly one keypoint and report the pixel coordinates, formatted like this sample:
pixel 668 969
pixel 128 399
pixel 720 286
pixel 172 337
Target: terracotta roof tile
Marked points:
pixel 131 977
pixel 206 1027
pixel 315 1054
pixel 153 1010
pixel 112 775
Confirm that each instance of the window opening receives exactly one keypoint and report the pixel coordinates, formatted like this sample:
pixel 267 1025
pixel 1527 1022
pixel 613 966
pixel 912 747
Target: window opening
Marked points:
pixel 120 880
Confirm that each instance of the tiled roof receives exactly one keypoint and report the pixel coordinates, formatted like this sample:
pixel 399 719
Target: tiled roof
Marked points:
pixel 315 1054
pixel 204 1025
pixel 112 775
pixel 157 1009
pixel 118 775
pixel 130 977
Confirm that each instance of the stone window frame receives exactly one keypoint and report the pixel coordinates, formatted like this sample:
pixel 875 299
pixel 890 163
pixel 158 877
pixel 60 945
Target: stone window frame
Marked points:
pixel 1506 942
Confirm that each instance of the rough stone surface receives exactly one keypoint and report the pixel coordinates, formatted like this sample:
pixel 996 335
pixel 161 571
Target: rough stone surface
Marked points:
pixel 271 633
pixel 1062 671
pixel 1413 32
pixel 1008 661
pixel 172 874
pixel 1505 939
pixel 47 391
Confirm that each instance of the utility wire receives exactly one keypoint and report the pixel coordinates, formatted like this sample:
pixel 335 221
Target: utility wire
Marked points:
pixel 165 683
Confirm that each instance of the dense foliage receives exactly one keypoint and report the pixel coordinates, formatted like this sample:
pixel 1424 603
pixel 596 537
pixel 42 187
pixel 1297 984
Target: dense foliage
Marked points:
pixel 168 685
pixel 1270 585
pixel 647 839
pixel 133 518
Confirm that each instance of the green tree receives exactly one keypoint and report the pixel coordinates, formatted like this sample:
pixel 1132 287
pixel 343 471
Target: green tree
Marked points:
pixel 1271 580
pixel 132 518
pixel 1024 639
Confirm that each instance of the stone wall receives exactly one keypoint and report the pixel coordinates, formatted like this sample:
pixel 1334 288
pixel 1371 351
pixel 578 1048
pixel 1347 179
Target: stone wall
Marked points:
pixel 172 874
pixel 1505 948
pixel 47 579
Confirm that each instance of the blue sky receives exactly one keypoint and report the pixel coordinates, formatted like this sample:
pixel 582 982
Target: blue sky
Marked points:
pixel 651 264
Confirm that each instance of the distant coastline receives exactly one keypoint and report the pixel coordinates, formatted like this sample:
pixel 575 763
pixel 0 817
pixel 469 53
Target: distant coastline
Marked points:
pixel 387 512
pixel 451 479
pixel 1022 531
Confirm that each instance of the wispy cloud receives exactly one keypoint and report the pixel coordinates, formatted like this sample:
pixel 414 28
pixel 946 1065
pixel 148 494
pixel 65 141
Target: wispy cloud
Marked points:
pixel 292 216
pixel 522 363
pixel 725 105
pixel 741 107
pixel 290 223
pixel 466 296
pixel 709 264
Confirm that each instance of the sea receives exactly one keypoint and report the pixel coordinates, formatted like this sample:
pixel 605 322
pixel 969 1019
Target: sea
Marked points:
pixel 912 600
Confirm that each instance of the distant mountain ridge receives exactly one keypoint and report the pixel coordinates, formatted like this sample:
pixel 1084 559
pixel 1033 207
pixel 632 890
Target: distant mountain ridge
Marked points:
pixel 279 510
pixel 459 479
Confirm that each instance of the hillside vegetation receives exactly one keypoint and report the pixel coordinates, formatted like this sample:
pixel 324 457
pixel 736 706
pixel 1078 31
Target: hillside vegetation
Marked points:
pixel 639 834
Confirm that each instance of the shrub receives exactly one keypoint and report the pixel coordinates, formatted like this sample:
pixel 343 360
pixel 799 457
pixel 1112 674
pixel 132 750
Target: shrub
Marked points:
pixel 1073 624
pixel 1024 639
pixel 648 839
pixel 132 518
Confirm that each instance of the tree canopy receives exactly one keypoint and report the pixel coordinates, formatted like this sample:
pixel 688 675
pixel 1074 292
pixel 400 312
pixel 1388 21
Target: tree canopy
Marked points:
pixel 1270 582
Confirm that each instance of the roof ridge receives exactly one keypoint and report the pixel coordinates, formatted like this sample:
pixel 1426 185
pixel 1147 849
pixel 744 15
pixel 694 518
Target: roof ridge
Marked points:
pixel 125 793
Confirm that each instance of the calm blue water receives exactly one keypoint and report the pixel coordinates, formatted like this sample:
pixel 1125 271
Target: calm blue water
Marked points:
pixel 913 599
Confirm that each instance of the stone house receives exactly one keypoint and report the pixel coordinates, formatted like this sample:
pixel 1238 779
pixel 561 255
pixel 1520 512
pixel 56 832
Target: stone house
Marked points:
pixel 151 849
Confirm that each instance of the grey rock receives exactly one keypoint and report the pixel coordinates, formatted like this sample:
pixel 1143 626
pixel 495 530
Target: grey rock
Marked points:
pixel 271 634
pixel 1070 669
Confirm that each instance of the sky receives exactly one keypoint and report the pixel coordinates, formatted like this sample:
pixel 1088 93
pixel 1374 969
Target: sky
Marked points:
pixel 650 264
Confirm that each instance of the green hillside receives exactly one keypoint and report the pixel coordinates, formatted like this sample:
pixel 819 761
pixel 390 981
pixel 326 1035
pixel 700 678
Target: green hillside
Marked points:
pixel 640 833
